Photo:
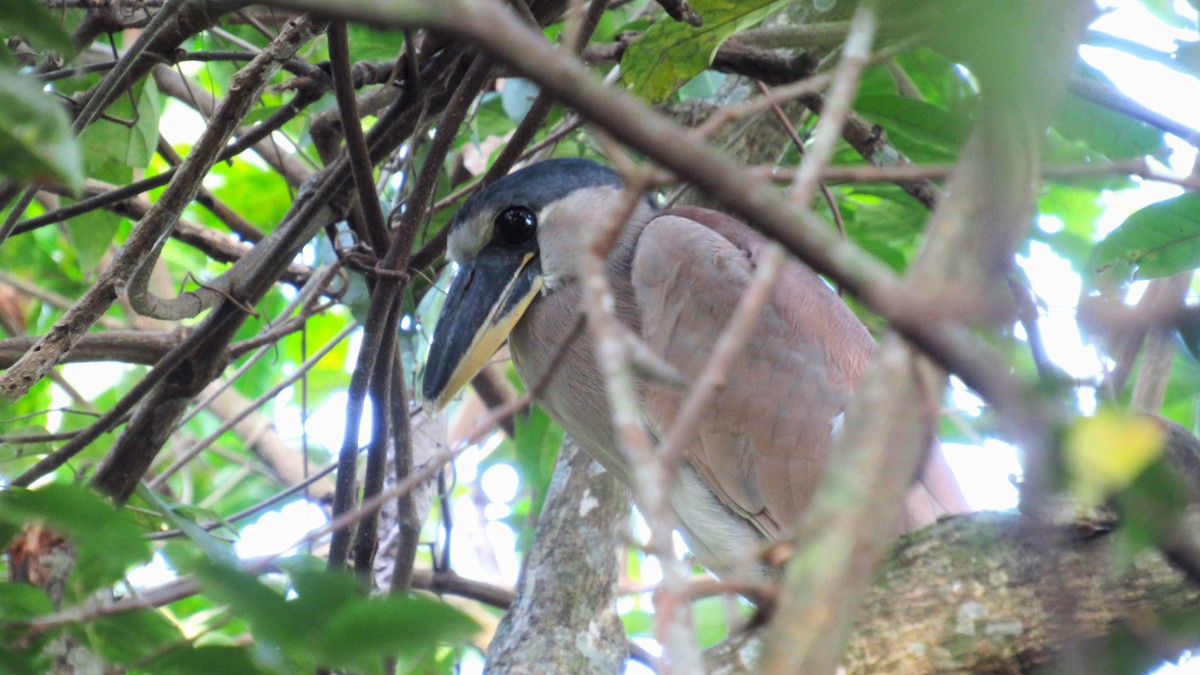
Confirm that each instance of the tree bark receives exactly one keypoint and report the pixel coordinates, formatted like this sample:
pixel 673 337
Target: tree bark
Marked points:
pixel 987 609
pixel 564 619
pixel 970 595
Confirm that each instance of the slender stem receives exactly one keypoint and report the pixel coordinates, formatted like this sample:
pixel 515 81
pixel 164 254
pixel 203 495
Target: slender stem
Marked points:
pixel 837 105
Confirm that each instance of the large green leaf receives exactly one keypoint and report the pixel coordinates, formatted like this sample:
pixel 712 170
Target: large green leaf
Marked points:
pixel 22 601
pixel 1110 133
pixel 263 607
pixel 129 136
pixel 92 233
pixel 22 663
pixel 995 39
pixel 216 549
pixel 1077 208
pixel 36 140
pixel 371 44
pixel 940 80
pixel 882 219
pixel 205 661
pixel 327 620
pixel 107 540
pixel 126 638
pixel 673 52
pixel 252 190
pixel 924 132
pixel 1160 240
pixel 360 634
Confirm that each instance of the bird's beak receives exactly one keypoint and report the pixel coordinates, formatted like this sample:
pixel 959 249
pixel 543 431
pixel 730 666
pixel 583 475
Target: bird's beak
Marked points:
pixel 485 301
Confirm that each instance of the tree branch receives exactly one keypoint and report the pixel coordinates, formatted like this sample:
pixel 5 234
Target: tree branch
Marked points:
pixel 563 619
pixel 135 258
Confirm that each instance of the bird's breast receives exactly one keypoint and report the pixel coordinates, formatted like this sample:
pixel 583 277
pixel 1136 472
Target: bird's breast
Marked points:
pixel 574 394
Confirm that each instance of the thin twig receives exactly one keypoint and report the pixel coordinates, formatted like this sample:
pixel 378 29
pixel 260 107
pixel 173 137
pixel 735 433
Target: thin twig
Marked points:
pixel 1150 387
pixel 356 141
pixel 730 113
pixel 134 259
pixel 729 346
pixel 285 382
pixel 285 114
pixel 1108 96
pixel 799 145
pixel 388 290
pixel 651 477
pixel 257 508
pixel 837 104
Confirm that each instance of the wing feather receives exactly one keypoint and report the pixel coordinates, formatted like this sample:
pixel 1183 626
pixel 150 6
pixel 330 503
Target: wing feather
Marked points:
pixel 767 436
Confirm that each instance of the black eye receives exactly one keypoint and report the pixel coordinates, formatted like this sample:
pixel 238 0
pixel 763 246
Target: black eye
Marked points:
pixel 514 225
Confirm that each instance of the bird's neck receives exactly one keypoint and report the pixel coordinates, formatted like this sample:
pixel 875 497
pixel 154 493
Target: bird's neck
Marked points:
pixel 620 265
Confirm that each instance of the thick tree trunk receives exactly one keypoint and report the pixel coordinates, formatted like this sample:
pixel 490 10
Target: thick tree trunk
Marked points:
pixel 564 619
pixel 983 593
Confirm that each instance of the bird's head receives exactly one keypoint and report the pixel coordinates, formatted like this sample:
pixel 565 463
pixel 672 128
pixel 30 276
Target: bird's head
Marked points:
pixel 521 235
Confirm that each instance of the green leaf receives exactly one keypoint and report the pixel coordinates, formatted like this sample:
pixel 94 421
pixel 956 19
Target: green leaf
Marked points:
pixel 924 132
pixel 250 189
pixel 370 44
pixel 703 85
pixel 264 608
pixel 31 20
pixel 673 52
pixel 91 234
pixel 217 550
pixel 36 141
pixel 130 137
pixel 260 113
pixel 125 638
pixel 319 591
pixel 205 661
pixel 22 601
pixel 19 456
pixel 1160 240
pixel 991 37
pixel 1110 133
pixel 18 663
pixel 491 117
pixel 1152 505
pixel 938 79
pixel 361 633
pixel 107 539
pixel 883 219
pixel 329 621
pixel 712 619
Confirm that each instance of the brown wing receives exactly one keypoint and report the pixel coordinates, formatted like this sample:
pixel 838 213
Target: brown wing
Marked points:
pixel 766 439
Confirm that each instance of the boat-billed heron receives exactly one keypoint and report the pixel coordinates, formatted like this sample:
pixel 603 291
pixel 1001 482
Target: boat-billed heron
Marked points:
pixel 676 277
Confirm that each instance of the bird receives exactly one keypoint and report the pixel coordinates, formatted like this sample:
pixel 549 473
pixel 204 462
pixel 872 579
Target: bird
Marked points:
pixel 676 276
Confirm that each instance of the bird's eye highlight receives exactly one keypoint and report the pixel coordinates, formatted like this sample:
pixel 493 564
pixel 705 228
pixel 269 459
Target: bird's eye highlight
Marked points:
pixel 515 225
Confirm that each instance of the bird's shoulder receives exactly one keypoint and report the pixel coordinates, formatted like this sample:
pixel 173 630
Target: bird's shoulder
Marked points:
pixel 732 230
pixel 688 253
pixel 683 253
